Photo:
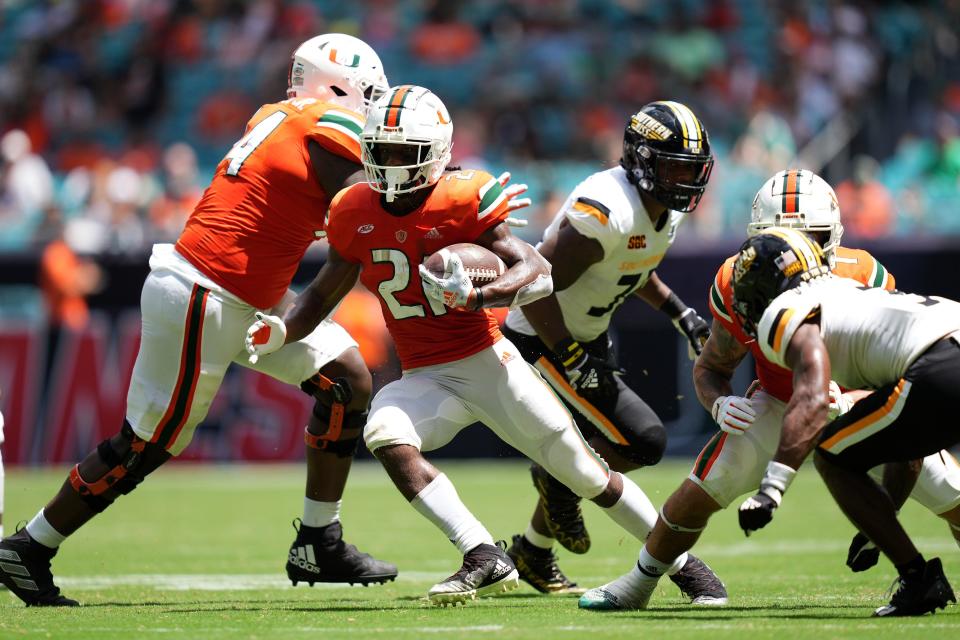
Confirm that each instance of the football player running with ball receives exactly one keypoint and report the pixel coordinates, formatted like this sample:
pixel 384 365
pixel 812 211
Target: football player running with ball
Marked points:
pixel 237 255
pixel 903 346
pixel 734 460
pixel 605 245
pixel 457 367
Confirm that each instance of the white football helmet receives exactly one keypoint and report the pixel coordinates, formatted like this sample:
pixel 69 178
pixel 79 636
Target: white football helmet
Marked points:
pixel 799 199
pixel 337 68
pixel 406 141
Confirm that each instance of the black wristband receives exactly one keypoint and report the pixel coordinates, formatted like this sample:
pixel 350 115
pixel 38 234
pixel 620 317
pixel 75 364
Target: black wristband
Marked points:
pixel 479 293
pixel 673 306
pixel 569 351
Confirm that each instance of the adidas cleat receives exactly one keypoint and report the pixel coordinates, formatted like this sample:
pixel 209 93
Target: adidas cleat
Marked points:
pixel 924 594
pixel 486 570
pixel 538 568
pixel 319 554
pixel 25 570
pixel 698 582
pixel 627 593
pixel 562 508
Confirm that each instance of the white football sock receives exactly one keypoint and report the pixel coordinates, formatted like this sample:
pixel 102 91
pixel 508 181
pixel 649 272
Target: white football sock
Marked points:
pixel 320 514
pixel 439 503
pixel 657 567
pixel 633 511
pixel 537 539
pixel 43 532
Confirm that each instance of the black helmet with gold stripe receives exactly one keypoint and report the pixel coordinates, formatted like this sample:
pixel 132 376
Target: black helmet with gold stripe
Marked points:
pixel 666 154
pixel 769 263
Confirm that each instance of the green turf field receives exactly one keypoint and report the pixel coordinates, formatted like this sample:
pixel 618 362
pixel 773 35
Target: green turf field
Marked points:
pixel 198 551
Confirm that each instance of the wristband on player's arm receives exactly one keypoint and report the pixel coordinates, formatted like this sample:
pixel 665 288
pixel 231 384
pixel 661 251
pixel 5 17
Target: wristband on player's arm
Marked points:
pixel 776 480
pixel 673 306
pixel 479 294
pixel 569 351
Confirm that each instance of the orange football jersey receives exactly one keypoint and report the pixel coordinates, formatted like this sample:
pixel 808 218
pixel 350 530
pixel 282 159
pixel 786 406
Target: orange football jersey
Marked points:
pixel 390 248
pixel 265 205
pixel 855 264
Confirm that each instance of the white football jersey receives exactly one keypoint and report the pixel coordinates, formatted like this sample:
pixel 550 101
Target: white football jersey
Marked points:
pixel 872 335
pixel 607 208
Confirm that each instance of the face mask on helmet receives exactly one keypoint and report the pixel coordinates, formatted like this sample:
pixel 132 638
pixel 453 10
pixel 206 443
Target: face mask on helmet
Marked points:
pixel 406 141
pixel 399 167
pixel 799 199
pixel 768 264
pixel 666 153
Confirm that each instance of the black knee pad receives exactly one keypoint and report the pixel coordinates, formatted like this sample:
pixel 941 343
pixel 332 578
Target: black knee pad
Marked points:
pixel 128 461
pixel 332 427
pixel 340 436
pixel 332 391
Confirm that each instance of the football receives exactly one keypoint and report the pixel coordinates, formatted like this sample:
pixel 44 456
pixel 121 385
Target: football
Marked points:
pixel 482 265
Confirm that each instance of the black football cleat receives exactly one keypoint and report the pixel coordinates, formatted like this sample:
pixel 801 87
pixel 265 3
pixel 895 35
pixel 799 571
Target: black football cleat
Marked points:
pixel 25 570
pixel 698 582
pixel 319 554
pixel 562 508
pixel 918 595
pixel 538 568
pixel 486 570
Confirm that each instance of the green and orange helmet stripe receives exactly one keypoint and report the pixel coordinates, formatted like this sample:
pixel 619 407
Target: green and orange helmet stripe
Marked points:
pixel 392 116
pixel 791 191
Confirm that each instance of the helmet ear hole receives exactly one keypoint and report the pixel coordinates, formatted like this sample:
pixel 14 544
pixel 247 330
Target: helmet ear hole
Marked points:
pixel 337 90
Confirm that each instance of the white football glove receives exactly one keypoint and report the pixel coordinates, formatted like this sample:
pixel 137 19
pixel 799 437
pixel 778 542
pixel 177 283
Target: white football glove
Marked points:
pixel 456 290
pixel 733 414
pixel 840 402
pixel 264 336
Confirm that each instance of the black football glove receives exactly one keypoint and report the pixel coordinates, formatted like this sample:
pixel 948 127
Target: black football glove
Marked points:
pixel 862 554
pixel 756 512
pixel 590 376
pixel 695 328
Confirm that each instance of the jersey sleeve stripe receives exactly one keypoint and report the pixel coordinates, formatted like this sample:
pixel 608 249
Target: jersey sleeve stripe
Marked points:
pixel 342 120
pixel 716 303
pixel 491 195
pixel 593 208
pixel 335 126
pixel 881 275
pixel 777 328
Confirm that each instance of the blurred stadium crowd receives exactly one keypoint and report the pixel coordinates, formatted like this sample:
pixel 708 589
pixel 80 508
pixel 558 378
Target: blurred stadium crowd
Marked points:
pixel 114 113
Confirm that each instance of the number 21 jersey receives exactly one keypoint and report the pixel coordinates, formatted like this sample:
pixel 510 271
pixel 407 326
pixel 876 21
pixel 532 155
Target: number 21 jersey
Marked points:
pixel 461 207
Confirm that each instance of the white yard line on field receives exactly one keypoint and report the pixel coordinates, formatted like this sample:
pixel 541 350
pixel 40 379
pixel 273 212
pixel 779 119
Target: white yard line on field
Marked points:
pixel 254 581
pixel 211 581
